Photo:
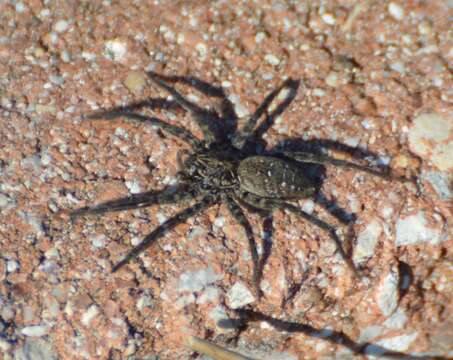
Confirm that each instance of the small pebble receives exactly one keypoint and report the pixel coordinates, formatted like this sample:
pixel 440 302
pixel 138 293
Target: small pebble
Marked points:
pixel 61 26
pixel 239 295
pixel 115 50
pixel 272 59
pixel 35 330
pixel 396 11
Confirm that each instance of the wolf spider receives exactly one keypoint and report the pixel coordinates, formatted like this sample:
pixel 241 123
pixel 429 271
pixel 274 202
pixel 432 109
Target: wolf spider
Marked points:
pixel 225 166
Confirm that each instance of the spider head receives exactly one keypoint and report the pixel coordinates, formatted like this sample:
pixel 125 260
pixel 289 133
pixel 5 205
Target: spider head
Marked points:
pixel 210 171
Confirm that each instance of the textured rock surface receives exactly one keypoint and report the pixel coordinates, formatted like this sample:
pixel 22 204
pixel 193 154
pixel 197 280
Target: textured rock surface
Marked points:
pixel 374 75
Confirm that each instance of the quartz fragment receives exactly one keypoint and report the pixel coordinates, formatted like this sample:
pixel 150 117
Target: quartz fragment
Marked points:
pixel 239 295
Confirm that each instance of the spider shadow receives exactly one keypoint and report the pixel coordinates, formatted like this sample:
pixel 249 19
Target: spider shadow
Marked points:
pixel 247 316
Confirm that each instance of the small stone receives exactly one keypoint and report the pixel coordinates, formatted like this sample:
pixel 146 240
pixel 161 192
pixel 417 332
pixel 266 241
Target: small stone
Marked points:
pixel 45 109
pixel 144 301
pixel 413 229
pixel 201 50
pixel 99 241
pixel 197 280
pixel 135 81
pixel 210 294
pixel 425 28
pixel 115 50
pixel 332 79
pixel 329 19
pixel 397 343
pixel 369 333
pixel 272 59
pixel 396 11
pixel 61 26
pixel 89 315
pixel 12 266
pixel 133 186
pixel 239 295
pixel 259 37
pixel 239 108
pixel 5 345
pixel 35 330
pixel 429 138
pixel 397 320
pixel 387 294
pixel 441 182
pixel 319 92
pixel 20 7
pixel 367 241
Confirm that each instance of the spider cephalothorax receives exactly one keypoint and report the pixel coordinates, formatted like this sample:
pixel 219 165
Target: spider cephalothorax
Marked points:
pixel 214 170
pixel 225 166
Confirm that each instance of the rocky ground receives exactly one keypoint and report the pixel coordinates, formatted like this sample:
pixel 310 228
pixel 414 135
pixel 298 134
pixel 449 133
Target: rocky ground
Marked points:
pixel 373 76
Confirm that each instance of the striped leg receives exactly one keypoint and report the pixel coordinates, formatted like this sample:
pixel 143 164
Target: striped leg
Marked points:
pixel 161 230
pixel 240 217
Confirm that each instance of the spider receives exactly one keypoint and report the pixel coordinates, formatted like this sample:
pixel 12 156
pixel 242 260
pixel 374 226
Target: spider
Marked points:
pixel 225 166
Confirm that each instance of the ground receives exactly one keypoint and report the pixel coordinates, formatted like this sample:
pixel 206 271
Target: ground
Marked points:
pixel 374 75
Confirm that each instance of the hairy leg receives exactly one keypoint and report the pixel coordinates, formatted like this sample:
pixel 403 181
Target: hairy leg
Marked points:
pixel 247 133
pixel 177 131
pixel 240 217
pixel 325 226
pixel 166 196
pixel 328 160
pixel 226 107
pixel 269 204
pixel 207 120
pixel 151 238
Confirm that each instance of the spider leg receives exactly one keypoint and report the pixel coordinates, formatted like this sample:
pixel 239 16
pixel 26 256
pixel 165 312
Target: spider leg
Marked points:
pixel 335 210
pixel 247 133
pixel 269 204
pixel 177 131
pixel 325 226
pixel 153 104
pixel 240 217
pixel 204 118
pixel 328 160
pixel 227 108
pixel 136 201
pixel 161 230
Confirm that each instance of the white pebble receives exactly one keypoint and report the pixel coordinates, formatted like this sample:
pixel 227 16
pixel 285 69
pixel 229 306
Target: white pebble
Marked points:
pixel 99 241
pixel 413 229
pixel 35 330
pixel 115 50
pixel 329 19
pixel 387 294
pixel 20 7
pixel 133 186
pixel 428 138
pixel 272 59
pixel 239 295
pixel 219 222
pixel 197 280
pixel 260 37
pixel 201 50
pixel 12 266
pixel 396 11
pixel 61 26
pixel 367 241
pixel 89 315
pixel 397 343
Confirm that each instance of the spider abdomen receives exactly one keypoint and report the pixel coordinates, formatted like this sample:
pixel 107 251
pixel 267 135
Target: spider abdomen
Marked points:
pixel 274 177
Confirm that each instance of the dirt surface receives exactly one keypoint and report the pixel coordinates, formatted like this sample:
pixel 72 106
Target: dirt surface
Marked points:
pixel 373 76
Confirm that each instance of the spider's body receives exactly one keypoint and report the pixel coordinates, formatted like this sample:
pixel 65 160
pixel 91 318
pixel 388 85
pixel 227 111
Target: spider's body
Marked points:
pixel 274 177
pixel 225 167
